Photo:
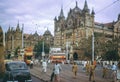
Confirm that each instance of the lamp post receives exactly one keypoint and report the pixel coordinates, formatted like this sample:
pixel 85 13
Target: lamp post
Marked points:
pixel 92 46
pixel 43 53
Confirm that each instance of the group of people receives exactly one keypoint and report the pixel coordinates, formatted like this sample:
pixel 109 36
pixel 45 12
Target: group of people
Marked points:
pixel 115 72
pixel 90 70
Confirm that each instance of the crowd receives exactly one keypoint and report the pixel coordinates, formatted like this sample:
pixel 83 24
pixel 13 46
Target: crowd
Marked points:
pixel 89 69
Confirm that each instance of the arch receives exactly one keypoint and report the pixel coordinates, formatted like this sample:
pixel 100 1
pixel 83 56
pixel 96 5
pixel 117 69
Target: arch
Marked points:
pixel 75 56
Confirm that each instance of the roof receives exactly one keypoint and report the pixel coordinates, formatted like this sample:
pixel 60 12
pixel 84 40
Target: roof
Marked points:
pixel 15 62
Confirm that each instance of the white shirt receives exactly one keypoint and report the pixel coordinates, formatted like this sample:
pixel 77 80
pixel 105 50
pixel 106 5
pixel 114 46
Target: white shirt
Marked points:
pixel 118 74
pixel 114 67
pixel 44 64
pixel 57 68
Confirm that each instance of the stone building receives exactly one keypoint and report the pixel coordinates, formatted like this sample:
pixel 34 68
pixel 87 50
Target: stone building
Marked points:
pixel 2 65
pixel 13 39
pixel 48 38
pixel 78 25
pixel 31 39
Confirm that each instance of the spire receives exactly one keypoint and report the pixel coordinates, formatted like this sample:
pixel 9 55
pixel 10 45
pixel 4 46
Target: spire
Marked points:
pixel 93 12
pixel 86 7
pixel 18 24
pixel 55 19
pixel 61 13
pixel 9 29
pixel 18 28
pixel 76 4
pixel 119 17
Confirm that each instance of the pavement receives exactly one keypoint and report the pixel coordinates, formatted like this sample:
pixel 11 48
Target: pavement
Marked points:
pixel 66 74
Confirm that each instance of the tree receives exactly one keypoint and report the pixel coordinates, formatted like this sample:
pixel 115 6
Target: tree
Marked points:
pixel 16 51
pixel 39 48
pixel 111 49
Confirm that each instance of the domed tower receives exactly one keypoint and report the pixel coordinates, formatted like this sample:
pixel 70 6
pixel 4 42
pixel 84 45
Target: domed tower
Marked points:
pixel 48 38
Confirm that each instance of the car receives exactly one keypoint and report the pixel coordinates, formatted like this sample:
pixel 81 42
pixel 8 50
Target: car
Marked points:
pixel 17 71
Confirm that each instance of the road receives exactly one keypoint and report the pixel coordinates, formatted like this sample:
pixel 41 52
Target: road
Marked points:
pixel 36 79
pixel 67 75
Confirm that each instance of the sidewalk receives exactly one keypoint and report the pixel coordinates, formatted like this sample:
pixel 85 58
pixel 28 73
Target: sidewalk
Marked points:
pixel 66 75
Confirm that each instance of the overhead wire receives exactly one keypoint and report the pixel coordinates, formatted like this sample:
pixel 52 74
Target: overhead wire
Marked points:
pixel 107 6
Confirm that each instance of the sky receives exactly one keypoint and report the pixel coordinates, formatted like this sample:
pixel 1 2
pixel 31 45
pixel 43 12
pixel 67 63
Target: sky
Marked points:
pixel 38 15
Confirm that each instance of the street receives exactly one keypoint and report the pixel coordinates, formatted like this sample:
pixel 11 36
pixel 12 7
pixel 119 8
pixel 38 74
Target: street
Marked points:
pixel 66 74
pixel 35 79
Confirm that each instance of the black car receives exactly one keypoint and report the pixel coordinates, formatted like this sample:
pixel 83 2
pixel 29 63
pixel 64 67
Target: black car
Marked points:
pixel 17 71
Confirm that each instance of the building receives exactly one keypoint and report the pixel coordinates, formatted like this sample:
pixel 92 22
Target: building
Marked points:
pixel 48 38
pixel 78 25
pixel 13 39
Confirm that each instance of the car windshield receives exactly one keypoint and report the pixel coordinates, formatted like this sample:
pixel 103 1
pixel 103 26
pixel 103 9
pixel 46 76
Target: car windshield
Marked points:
pixel 14 66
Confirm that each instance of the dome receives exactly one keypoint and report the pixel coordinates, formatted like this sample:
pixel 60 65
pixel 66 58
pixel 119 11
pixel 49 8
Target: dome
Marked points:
pixel 47 32
pixel 76 9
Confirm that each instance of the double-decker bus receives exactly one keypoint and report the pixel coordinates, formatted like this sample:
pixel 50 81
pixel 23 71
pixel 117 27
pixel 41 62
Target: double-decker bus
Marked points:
pixel 60 57
pixel 28 54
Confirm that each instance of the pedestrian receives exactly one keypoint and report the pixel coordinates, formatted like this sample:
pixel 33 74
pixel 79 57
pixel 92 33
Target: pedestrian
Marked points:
pixel 44 65
pixel 118 72
pixel 87 68
pixel 95 63
pixel 74 69
pixel 52 75
pixel 31 64
pixel 92 72
pixel 114 68
pixel 57 69
pixel 104 71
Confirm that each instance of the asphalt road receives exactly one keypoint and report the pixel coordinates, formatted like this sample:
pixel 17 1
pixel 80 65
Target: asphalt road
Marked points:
pixel 34 79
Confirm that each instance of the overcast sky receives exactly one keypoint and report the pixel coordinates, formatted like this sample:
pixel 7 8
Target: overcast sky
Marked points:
pixel 38 15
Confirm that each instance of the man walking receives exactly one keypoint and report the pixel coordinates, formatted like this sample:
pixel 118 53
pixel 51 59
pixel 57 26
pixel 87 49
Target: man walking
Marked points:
pixel 92 72
pixel 57 69
pixel 44 65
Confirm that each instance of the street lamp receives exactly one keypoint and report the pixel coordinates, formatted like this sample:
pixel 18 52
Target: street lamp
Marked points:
pixel 43 53
pixel 92 46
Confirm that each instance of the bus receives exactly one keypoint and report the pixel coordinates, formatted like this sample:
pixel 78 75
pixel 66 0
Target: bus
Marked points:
pixel 28 54
pixel 60 57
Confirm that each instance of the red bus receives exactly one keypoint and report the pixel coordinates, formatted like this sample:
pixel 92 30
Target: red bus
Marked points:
pixel 60 57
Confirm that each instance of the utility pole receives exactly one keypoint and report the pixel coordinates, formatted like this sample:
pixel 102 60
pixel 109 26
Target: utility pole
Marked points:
pixel 93 46
pixel 43 53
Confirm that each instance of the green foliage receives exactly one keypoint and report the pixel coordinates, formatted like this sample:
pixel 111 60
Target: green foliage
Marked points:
pixel 111 50
pixel 16 51
pixel 39 48
pixel 111 55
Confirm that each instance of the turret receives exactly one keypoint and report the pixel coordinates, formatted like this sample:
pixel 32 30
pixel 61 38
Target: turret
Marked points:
pixel 85 9
pixel 119 17
pixel 61 14
pixel 92 13
pixel 55 19
pixel 9 29
pixel 18 27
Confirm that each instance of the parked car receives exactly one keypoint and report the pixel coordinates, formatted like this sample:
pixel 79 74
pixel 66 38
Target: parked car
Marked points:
pixel 17 71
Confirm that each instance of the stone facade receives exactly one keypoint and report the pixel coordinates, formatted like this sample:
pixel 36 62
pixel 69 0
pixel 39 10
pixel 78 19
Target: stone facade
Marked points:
pixel 13 38
pixel 80 24
pixel 48 38
pixel 2 66
pixel 77 25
